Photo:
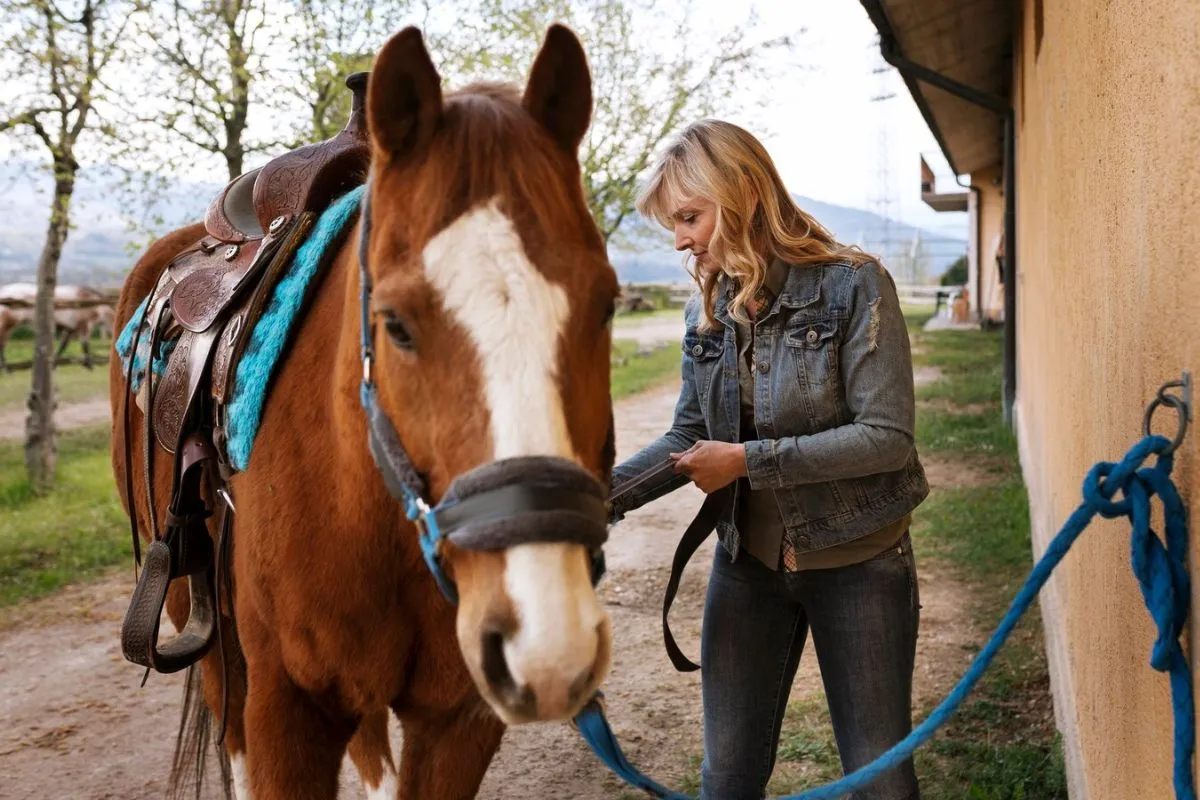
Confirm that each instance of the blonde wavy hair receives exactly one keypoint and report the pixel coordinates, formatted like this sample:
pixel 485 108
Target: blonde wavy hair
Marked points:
pixel 756 218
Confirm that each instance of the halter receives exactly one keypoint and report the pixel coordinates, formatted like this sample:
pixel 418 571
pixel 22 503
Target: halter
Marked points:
pixel 510 501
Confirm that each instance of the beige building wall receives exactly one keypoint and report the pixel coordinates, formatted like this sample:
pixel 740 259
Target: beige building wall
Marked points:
pixel 987 291
pixel 1108 221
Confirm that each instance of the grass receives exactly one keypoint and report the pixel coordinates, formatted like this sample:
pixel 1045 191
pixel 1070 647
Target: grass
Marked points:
pixel 633 373
pixel 74 383
pixel 632 319
pixel 1002 744
pixel 807 754
pixel 76 531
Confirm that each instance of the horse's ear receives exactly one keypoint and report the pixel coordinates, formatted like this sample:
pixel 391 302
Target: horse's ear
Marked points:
pixel 559 91
pixel 404 96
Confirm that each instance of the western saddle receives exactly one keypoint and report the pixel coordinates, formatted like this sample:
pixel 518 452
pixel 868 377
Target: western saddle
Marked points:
pixel 208 300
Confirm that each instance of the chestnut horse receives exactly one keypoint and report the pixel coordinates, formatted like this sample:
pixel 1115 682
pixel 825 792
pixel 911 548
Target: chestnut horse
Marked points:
pixel 490 309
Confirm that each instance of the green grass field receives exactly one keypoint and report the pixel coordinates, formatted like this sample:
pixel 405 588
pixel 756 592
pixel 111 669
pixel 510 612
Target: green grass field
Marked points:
pixel 68 535
pixel 74 382
pixel 638 373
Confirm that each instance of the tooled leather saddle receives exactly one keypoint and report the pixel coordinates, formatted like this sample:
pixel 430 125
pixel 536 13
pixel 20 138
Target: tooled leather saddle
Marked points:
pixel 208 300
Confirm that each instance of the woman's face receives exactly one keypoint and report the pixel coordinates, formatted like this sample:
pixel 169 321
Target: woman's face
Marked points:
pixel 694 221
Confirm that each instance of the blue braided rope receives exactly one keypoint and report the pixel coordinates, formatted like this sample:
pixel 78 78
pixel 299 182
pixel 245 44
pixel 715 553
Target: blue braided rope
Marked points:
pixel 1160 571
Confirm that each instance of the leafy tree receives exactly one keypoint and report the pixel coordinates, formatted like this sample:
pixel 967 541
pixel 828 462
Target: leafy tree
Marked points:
pixel 956 273
pixel 643 89
pixel 55 55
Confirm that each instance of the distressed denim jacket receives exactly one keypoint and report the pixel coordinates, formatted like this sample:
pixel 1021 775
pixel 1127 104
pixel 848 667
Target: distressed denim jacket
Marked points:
pixel 833 401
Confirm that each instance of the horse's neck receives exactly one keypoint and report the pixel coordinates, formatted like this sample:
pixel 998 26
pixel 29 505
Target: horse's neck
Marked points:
pixel 334 326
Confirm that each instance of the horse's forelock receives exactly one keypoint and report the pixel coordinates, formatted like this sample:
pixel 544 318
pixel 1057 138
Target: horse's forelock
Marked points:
pixel 489 148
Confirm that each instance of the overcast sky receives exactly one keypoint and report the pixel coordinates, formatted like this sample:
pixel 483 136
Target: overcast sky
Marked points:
pixel 829 140
pixel 838 157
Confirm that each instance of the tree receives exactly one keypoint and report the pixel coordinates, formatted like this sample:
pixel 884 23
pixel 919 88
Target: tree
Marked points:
pixel 211 52
pixel 643 90
pixel 54 55
pixel 331 40
pixel 956 273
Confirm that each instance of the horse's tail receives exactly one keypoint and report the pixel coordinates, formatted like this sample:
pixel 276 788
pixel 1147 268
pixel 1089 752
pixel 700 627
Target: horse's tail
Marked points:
pixel 196 734
pixel 192 744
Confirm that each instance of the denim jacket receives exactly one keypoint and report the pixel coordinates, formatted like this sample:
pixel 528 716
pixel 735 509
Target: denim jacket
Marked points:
pixel 833 401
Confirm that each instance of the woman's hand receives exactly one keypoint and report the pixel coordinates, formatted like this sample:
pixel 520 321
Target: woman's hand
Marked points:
pixel 712 465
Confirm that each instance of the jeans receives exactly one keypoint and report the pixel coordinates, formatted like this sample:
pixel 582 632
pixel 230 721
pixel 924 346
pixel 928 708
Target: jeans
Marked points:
pixel 864 621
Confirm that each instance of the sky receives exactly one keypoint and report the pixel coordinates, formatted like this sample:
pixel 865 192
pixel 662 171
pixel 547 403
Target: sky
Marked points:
pixel 829 140
pixel 827 137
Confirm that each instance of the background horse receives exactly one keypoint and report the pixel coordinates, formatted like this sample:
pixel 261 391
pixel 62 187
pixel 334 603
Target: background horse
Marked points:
pixel 70 322
pixel 492 301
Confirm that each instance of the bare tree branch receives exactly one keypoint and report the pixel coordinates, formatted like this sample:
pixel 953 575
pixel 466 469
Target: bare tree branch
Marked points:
pixel 27 118
pixel 83 100
pixel 331 40
pixel 212 53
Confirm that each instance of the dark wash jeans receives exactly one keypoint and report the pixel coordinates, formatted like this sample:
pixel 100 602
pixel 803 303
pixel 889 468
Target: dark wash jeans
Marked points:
pixel 864 621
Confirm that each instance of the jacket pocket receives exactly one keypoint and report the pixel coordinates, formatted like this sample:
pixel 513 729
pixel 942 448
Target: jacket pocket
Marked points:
pixel 705 351
pixel 814 347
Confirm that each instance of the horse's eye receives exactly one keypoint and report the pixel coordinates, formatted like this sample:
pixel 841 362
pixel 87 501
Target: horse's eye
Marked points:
pixel 397 332
pixel 609 313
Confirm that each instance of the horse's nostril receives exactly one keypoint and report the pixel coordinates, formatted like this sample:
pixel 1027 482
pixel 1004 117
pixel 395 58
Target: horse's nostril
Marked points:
pixel 495 667
pixel 519 699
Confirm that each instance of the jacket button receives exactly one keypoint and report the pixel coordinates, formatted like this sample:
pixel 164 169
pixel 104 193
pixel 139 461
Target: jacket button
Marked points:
pixel 764 367
pixel 804 539
pixel 812 336
pixel 697 350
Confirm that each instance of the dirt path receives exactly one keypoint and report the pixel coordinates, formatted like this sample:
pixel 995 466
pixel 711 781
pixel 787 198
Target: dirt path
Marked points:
pixel 77 725
pixel 67 416
pixel 652 331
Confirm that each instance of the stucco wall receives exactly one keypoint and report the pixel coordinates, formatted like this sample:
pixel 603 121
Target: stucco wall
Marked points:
pixel 988 292
pixel 1108 216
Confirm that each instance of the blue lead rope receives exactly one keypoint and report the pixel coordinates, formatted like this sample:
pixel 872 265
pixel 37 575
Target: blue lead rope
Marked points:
pixel 1161 573
pixel 594 728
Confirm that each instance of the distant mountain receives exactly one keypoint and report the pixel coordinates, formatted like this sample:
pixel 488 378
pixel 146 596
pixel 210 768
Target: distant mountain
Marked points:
pixel 102 247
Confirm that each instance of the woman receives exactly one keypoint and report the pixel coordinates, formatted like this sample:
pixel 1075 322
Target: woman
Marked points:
pixel 798 392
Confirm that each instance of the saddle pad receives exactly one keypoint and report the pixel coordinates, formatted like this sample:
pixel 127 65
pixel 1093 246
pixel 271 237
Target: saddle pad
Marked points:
pixel 270 335
pixel 125 342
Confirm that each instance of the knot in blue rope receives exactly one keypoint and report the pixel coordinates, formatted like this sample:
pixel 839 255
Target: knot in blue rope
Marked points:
pixel 1105 479
pixel 1161 570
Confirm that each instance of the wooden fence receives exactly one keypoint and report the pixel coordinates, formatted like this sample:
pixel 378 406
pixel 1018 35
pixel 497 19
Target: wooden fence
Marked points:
pixel 108 297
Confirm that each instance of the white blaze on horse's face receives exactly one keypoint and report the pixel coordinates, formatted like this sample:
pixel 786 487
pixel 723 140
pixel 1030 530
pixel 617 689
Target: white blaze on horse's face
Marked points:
pixel 514 316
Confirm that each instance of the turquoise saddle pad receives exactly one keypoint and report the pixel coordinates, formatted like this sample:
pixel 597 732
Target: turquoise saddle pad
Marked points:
pixel 265 349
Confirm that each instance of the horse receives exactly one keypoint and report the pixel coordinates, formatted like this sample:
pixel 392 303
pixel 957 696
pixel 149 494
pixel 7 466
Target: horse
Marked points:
pixel 489 298
pixel 68 322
